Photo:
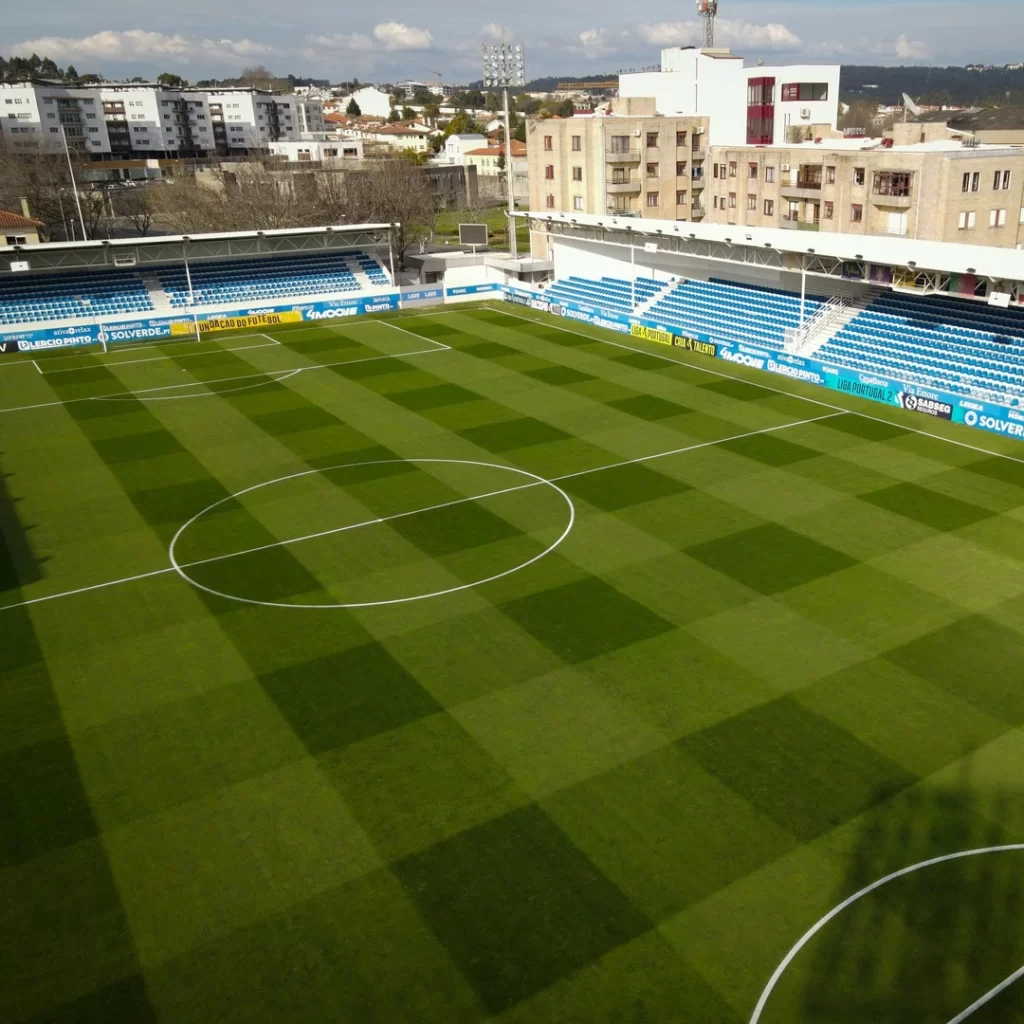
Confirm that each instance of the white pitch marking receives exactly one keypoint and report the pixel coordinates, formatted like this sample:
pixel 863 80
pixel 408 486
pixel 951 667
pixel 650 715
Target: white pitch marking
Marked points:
pixel 133 395
pixel 990 994
pixel 538 482
pixel 765 387
pixel 36 365
pixel 155 359
pixel 86 590
pixel 815 928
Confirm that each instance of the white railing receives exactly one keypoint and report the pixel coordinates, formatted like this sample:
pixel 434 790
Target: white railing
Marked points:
pixel 823 320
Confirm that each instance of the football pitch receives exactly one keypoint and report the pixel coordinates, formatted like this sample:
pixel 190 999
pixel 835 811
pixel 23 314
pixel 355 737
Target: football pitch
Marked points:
pixel 476 665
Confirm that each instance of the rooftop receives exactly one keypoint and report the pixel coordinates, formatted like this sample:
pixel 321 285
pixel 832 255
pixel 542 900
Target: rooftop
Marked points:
pixel 992 119
pixel 15 220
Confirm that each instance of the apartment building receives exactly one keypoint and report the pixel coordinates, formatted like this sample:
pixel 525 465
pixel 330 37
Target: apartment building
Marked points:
pixel 938 191
pixel 759 105
pixel 628 163
pixel 111 119
pixel 41 114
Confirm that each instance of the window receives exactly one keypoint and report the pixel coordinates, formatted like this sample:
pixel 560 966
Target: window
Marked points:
pixel 577 174
pixel 965 185
pixel 577 202
pixel 577 143
pixel 1006 179
pixel 858 175
pixel 997 218
pixel 1001 180
pixel 681 198
pixel 795 92
pixel 549 172
pixel 652 170
pixel 620 176
pixel 721 170
pixel 856 214
pixel 732 168
pixel 550 202
pixel 769 175
pixel 829 211
pixel 620 144
pixel 653 199
pixel 14 239
pixel 975 181
pixel 892 183
pixel 652 140
pixel 752 171
pixel 732 200
pixel 752 203
pixel 769 207
pixel 830 175
pixel 998 180
pixel 714 170
pixel 55 131
pixel 680 138
pixel 680 168
pixel 966 220
pixel 549 143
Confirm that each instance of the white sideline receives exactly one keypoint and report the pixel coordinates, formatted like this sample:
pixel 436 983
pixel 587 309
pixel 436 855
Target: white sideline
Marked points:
pixel 757 384
pixel 818 925
pixel 457 501
pixel 990 994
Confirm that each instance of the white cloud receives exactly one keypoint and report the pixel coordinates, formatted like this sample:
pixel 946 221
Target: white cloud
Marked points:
pixel 910 50
pixel 594 42
pixel 728 32
pixel 671 33
pixel 393 35
pixel 493 31
pixel 138 44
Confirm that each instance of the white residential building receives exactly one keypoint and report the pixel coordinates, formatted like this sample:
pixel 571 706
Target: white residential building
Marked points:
pixel 323 150
pixel 372 102
pixel 746 105
pixel 144 120
pixel 456 146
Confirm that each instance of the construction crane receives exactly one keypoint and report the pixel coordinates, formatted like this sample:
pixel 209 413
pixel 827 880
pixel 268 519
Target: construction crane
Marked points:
pixel 437 81
pixel 708 11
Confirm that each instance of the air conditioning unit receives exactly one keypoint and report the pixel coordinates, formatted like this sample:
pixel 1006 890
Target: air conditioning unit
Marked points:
pixel 805 113
pixel 637 132
pixel 699 130
pixel 785 167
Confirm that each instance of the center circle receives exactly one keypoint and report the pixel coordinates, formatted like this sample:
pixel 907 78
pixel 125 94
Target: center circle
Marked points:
pixel 180 567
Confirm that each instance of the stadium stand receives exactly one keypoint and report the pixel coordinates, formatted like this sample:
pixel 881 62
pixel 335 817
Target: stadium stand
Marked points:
pixel 736 312
pixel 609 292
pixel 940 342
pixel 260 280
pixel 45 298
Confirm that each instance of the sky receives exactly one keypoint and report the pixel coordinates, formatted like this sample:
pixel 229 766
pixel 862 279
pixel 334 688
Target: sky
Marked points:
pixel 341 40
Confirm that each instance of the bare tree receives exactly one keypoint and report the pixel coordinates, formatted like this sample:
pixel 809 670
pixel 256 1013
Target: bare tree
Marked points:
pixel 40 176
pixel 395 192
pixel 134 204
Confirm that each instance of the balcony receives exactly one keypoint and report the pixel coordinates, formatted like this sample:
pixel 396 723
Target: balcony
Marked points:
pixel 623 156
pixel 697 212
pixel 630 186
pixel 793 223
pixel 892 202
pixel 801 188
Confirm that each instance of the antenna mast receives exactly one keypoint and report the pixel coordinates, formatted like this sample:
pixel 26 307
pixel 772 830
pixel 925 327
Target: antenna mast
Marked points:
pixel 708 10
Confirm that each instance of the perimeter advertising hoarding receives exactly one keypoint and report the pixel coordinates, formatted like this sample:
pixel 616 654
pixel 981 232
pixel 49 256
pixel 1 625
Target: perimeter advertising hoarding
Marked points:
pixel 135 329
pixel 995 419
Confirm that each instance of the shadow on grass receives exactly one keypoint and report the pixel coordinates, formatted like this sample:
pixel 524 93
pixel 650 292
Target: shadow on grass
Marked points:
pixel 18 563
pixel 929 944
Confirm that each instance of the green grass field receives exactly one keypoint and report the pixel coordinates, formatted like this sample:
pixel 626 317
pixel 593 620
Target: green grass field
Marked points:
pixel 471 666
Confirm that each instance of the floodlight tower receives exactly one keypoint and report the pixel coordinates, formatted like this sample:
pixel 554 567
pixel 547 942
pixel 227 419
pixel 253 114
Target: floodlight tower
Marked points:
pixel 708 11
pixel 504 66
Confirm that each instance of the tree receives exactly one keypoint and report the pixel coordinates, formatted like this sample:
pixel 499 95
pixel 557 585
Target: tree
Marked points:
pixel 394 116
pixel 396 192
pixel 135 206
pixel 519 132
pixel 565 109
pixel 171 81
pixel 460 124
pixel 353 109
pixel 258 77
pixel 71 75
pixel 408 114
pixel 859 115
